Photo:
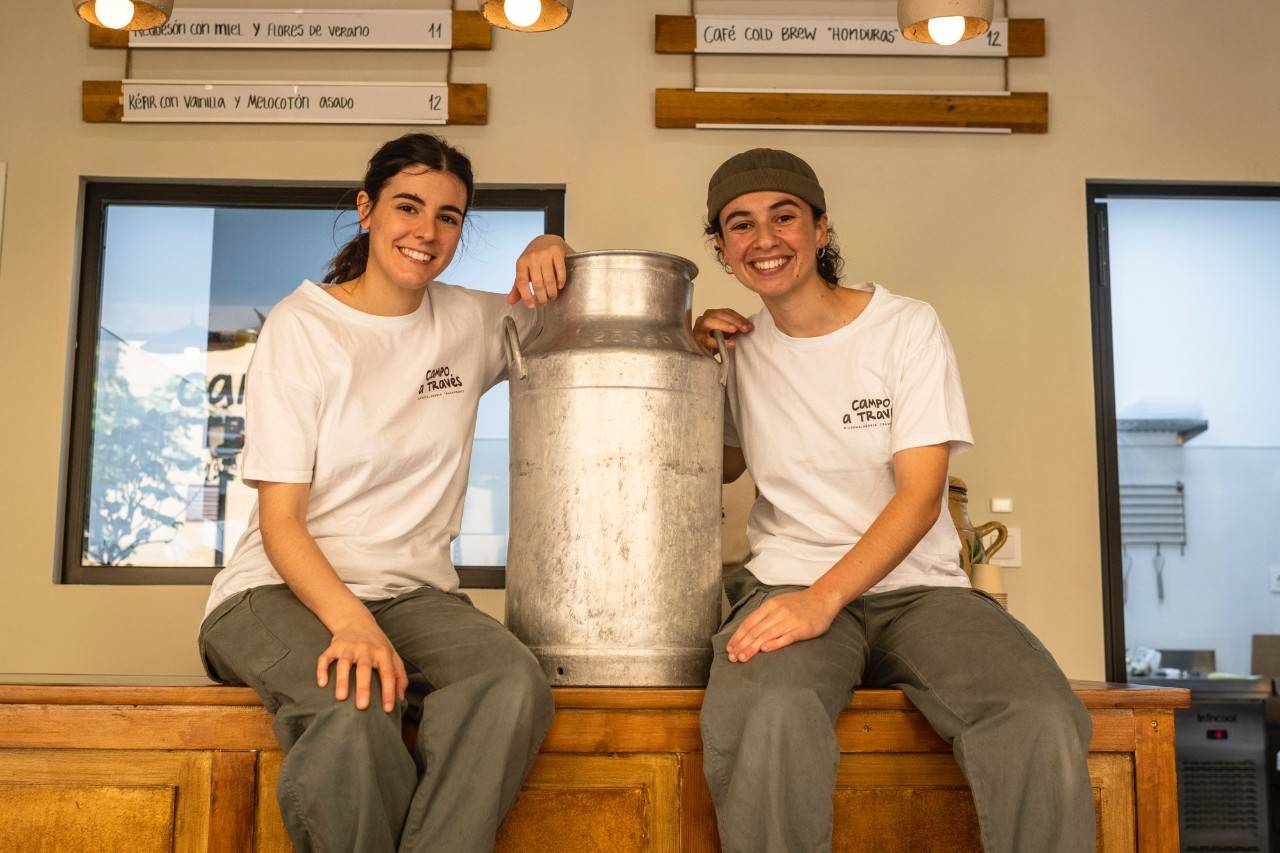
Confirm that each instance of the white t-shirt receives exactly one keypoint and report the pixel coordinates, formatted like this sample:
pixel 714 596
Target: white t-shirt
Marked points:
pixel 377 414
pixel 819 420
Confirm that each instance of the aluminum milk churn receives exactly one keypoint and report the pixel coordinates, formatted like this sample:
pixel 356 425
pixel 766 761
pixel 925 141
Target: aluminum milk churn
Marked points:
pixel 613 566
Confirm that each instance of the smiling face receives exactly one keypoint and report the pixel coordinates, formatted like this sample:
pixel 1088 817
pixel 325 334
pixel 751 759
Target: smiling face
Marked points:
pixel 770 240
pixel 414 226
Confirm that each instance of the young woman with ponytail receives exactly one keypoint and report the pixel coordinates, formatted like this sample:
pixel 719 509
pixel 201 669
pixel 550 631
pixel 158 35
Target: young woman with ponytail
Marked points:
pixel 340 606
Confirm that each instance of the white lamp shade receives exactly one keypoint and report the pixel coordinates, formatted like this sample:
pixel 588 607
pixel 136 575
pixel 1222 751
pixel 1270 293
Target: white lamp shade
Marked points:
pixel 914 15
pixel 554 14
pixel 147 14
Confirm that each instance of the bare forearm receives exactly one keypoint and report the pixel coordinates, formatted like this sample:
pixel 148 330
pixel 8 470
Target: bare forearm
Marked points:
pixel 298 559
pixel 899 528
pixel 735 464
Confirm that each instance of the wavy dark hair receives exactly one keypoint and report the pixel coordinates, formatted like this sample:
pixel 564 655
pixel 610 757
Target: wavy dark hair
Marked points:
pixel 412 149
pixel 830 264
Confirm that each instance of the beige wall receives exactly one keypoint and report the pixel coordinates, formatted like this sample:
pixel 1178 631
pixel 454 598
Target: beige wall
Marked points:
pixel 991 230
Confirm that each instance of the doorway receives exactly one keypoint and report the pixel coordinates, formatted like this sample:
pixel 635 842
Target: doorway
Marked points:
pixel 1186 304
pixel 1186 317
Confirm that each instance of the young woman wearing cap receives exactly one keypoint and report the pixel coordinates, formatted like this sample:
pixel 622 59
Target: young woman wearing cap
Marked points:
pixel 339 606
pixel 845 405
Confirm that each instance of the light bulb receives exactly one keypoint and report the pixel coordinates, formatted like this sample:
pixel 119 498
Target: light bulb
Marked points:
pixel 948 30
pixel 115 14
pixel 521 13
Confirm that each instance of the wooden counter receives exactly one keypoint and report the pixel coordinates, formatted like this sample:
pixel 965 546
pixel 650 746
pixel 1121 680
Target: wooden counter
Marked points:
pixel 194 769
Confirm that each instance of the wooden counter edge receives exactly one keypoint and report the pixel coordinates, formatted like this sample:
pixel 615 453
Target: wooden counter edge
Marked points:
pixel 1094 694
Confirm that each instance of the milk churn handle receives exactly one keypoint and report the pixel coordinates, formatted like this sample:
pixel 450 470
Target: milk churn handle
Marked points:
pixel 726 365
pixel 724 357
pixel 511 346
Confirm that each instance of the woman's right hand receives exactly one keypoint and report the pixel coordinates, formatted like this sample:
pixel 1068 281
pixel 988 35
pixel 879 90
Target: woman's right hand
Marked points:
pixel 724 320
pixel 359 642
pixel 540 271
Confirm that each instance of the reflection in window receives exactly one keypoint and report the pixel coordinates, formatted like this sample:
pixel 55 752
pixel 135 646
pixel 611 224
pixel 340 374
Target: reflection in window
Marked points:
pixel 184 292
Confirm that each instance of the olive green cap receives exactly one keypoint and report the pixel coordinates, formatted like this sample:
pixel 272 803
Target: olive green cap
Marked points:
pixel 762 169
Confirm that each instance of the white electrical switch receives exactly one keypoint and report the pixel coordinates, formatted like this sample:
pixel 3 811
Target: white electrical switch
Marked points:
pixel 1002 504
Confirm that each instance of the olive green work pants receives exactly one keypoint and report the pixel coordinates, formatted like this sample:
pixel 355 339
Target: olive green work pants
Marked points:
pixel 981 679
pixel 348 785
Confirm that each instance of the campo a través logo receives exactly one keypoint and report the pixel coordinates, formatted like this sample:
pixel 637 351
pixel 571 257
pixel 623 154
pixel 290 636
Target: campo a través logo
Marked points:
pixel 869 411
pixel 439 380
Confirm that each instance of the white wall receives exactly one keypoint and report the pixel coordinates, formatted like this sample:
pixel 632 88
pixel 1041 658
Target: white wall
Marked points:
pixel 1195 302
pixel 989 229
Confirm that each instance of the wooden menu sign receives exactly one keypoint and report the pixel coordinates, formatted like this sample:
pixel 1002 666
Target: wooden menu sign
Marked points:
pixel 371 29
pixel 852 36
pixel 284 103
pixel 959 112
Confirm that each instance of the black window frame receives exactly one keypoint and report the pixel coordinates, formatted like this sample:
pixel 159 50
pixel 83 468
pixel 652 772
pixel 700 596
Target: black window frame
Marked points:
pixel 96 194
pixel 1096 192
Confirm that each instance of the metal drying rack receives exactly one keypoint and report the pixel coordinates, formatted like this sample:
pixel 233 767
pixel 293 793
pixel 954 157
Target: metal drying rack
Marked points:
pixel 1153 514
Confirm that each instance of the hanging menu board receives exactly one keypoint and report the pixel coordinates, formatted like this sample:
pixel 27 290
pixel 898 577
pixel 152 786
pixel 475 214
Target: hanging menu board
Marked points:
pixel 842 35
pixel 850 36
pixel 386 29
pixel 285 103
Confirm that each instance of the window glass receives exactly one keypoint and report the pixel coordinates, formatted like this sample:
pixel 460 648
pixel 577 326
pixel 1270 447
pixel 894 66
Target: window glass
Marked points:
pixel 184 291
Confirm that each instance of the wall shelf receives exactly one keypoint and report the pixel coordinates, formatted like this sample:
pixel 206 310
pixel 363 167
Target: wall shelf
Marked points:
pixel 1183 429
pixel 1013 112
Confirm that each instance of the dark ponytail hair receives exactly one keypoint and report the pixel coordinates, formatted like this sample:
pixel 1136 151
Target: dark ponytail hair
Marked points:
pixel 830 264
pixel 412 149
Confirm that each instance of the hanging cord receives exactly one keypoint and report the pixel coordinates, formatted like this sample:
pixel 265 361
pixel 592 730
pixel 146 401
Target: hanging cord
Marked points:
pixel 693 57
pixel 448 60
pixel 1006 51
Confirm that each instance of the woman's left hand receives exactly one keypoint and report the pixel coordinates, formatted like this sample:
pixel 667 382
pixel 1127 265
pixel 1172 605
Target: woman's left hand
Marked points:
pixel 540 271
pixel 783 619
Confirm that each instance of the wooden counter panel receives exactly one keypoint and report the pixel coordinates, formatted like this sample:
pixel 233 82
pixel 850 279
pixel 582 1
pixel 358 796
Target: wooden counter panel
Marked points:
pixel 909 803
pixel 1156 777
pixel 619 804
pixel 620 770
pixel 268 829
pixel 124 818
pixel 107 795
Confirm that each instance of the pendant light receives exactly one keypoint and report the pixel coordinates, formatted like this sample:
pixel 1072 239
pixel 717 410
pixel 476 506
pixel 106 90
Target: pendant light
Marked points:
pixel 944 22
pixel 528 16
pixel 124 14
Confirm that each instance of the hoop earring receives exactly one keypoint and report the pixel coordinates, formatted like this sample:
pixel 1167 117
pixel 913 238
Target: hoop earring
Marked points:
pixel 724 265
pixel 822 252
